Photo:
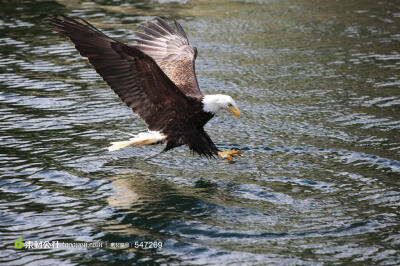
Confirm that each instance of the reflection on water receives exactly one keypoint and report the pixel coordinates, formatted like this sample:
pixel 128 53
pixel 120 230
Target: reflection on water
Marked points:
pixel 318 85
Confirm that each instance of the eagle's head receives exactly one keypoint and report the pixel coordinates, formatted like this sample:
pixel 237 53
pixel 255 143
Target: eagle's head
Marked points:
pixel 213 103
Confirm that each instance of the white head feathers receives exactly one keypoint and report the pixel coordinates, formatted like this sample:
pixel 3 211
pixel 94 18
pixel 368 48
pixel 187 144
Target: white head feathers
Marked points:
pixel 212 103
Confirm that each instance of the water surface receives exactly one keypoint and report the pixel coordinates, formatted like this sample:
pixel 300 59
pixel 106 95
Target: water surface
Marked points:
pixel 318 86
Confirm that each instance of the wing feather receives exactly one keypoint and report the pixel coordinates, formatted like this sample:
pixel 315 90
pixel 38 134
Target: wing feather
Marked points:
pixel 134 76
pixel 143 36
pixel 166 26
pixel 150 32
pixel 171 50
pixel 157 28
pixel 181 31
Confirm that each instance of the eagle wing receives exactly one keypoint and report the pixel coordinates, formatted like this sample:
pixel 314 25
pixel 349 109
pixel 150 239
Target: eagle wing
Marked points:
pixel 172 52
pixel 134 76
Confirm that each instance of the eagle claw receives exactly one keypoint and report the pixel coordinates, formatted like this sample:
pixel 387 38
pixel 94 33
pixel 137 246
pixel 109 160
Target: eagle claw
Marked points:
pixel 229 155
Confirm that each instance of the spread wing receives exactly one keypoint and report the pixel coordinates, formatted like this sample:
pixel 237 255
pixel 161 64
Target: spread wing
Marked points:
pixel 133 75
pixel 172 52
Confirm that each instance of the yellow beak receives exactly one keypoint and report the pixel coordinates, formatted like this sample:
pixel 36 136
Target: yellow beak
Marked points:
pixel 235 111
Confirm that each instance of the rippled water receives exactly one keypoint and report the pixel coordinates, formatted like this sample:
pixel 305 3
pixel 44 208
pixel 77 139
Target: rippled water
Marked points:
pixel 318 85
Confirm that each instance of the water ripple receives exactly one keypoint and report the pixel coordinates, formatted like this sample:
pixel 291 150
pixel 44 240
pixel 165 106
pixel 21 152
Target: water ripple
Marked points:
pixel 318 180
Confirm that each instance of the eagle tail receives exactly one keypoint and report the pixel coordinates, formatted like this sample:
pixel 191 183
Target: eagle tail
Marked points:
pixel 141 139
pixel 120 144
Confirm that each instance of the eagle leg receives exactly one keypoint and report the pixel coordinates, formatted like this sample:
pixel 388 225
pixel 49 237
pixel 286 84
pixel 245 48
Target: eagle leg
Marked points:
pixel 229 155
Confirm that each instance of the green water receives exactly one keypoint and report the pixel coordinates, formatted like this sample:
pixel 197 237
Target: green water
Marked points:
pixel 318 85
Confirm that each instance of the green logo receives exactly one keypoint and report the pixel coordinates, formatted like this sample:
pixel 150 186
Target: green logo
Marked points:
pixel 19 244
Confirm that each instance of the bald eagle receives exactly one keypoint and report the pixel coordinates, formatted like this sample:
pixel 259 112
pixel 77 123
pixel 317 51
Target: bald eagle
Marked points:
pixel 156 78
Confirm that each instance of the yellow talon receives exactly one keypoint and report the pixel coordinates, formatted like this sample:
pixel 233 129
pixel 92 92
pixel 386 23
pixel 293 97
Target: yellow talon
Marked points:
pixel 229 155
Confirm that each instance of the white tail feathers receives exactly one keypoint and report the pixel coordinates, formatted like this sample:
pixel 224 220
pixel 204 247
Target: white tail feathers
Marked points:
pixel 145 138
pixel 120 144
